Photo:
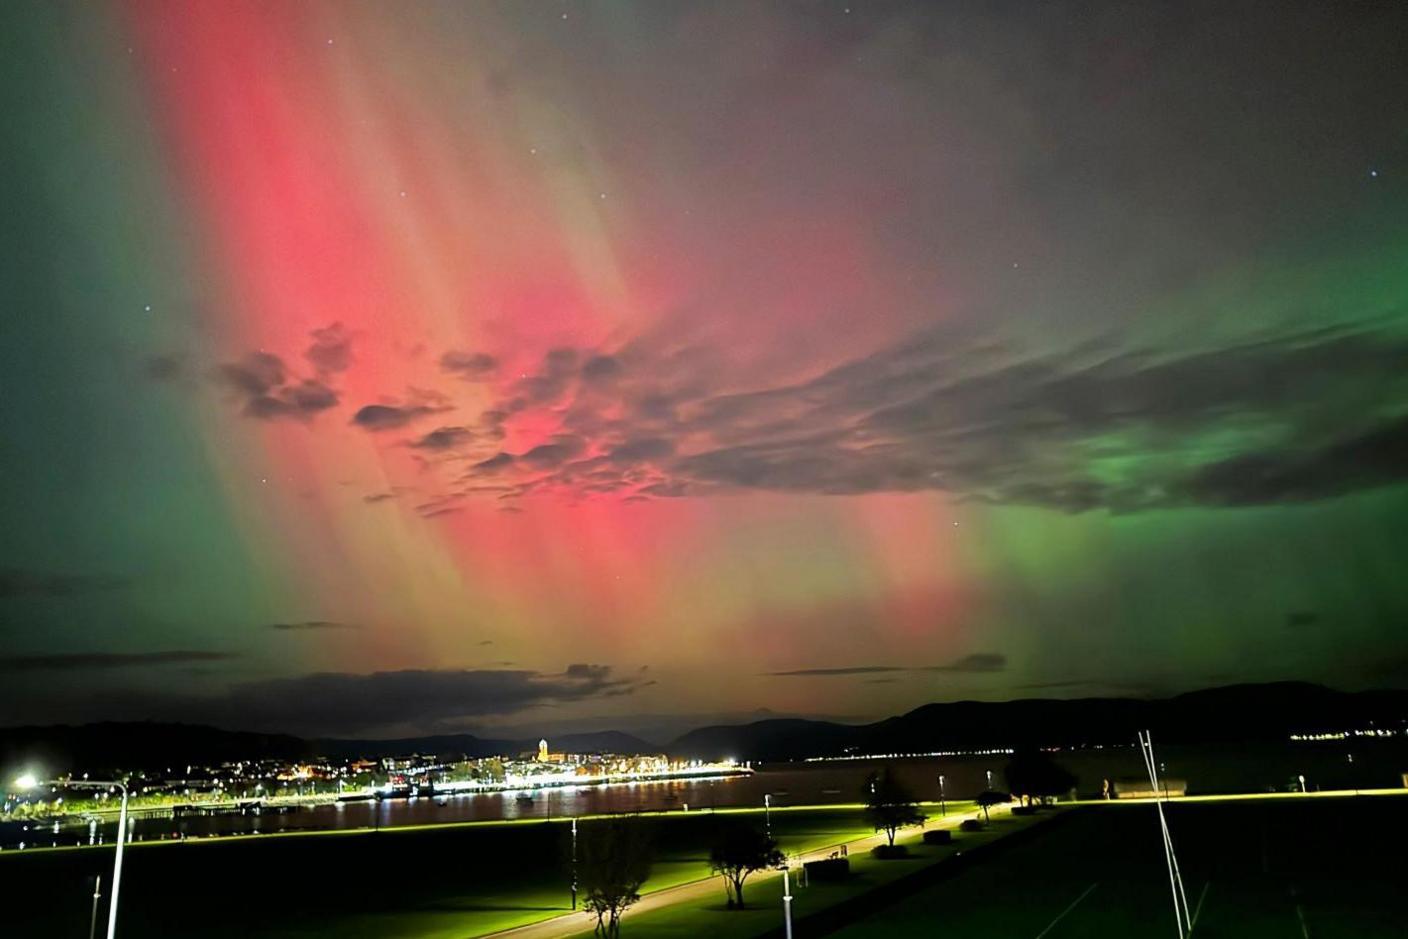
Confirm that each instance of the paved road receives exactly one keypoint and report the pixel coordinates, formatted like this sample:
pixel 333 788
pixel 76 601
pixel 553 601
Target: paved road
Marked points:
pixel 572 924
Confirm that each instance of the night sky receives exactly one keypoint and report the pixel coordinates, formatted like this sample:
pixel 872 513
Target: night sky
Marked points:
pixel 382 368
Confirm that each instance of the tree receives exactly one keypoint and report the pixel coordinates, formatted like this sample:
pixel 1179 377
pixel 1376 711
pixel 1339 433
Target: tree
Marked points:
pixel 1033 773
pixel 740 849
pixel 889 805
pixel 613 860
pixel 990 798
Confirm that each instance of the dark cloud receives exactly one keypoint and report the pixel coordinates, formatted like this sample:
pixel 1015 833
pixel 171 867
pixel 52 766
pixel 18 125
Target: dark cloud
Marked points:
pixel 388 703
pixel 164 368
pixel 444 438
pixel 256 374
pixel 548 385
pixel 299 401
pixel 1278 418
pixel 645 449
pixel 582 671
pixel 339 702
pixel 473 366
pixel 601 368
pixel 379 417
pixel 548 455
pixel 976 662
pixel 331 350
pixel 80 661
pixel 851 670
pixel 312 624
pixel 18 582
pixel 496 463
pixel 262 381
pixel 1370 459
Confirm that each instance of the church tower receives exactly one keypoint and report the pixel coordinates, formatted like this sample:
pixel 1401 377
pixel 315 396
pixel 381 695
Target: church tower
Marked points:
pixel 543 750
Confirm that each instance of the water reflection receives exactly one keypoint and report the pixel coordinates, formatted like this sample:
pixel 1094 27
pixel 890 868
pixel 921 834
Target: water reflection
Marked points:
pixel 1230 769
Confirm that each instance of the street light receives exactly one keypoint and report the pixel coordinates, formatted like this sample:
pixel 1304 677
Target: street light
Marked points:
pixel 28 781
pixel 943 805
pixel 1301 777
pixel 767 812
pixel 989 772
pixel 574 863
pixel 786 901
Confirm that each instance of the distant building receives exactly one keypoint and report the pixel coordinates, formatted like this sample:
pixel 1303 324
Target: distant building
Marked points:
pixel 543 750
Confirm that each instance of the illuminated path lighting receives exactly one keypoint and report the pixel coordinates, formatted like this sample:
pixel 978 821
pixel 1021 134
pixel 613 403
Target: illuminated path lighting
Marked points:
pixel 29 781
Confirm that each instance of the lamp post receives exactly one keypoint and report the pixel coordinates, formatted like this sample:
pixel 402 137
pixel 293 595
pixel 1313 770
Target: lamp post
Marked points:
pixel 28 781
pixel 786 901
pixel 767 812
pixel 574 863
pixel 943 804
pixel 989 772
pixel 1301 777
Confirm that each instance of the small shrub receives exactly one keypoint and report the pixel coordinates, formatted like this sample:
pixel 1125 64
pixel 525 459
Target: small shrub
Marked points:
pixel 831 869
pixel 938 836
pixel 970 824
pixel 889 852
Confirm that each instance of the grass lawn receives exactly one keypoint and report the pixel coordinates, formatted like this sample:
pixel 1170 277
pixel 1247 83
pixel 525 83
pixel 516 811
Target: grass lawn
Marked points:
pixel 710 916
pixel 439 882
pixel 1293 868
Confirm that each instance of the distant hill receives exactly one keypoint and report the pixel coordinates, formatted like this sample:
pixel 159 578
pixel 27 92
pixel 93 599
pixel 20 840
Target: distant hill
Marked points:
pixel 1230 714
pixel 1236 713
pixel 779 739
pixel 603 741
pixel 445 745
pixel 104 747
pixel 145 745
pixel 472 747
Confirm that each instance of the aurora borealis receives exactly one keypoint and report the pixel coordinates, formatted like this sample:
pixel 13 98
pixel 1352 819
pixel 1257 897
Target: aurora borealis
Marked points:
pixel 385 368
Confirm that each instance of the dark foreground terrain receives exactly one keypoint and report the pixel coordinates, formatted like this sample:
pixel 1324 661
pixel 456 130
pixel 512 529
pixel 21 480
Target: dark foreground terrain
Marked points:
pixel 1325 868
